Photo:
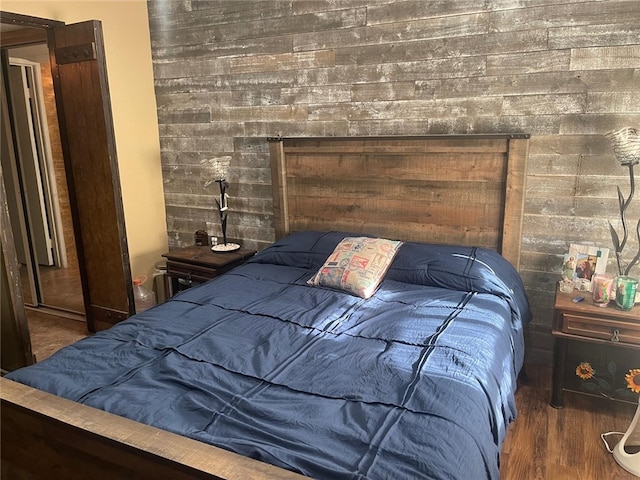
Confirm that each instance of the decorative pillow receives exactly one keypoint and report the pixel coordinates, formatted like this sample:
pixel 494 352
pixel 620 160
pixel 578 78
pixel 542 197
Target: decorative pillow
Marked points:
pixel 357 265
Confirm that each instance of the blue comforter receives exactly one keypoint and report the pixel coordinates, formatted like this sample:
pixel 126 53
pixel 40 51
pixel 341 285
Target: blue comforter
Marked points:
pixel 416 382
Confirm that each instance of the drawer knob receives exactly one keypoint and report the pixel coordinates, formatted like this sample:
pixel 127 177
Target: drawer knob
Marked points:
pixel 615 337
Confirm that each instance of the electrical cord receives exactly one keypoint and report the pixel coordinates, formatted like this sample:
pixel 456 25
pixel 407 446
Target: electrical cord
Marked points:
pixel 604 436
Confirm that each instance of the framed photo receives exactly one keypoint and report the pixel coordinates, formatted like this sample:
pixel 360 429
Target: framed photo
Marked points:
pixel 587 261
pixel 569 267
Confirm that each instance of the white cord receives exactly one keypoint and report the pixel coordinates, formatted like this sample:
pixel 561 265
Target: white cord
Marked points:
pixel 603 436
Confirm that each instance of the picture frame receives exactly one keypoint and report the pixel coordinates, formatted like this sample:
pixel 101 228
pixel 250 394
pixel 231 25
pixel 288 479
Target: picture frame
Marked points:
pixel 586 261
pixel 569 267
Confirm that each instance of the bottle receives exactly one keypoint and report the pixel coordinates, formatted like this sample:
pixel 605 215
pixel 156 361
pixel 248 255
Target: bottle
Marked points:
pixel 143 298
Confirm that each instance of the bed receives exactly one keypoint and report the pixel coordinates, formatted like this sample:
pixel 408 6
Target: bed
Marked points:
pixel 260 374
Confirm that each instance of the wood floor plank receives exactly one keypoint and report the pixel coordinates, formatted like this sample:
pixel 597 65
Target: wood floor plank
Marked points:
pixel 526 439
pixel 562 444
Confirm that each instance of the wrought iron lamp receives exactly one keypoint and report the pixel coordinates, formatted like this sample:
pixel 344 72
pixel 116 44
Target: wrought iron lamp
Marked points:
pixel 218 172
pixel 626 147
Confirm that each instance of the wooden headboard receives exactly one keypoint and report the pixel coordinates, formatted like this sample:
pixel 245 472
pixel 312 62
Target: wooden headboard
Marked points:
pixel 450 189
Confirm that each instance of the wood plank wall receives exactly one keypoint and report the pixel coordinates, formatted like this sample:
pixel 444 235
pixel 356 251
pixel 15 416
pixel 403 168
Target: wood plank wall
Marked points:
pixel 229 73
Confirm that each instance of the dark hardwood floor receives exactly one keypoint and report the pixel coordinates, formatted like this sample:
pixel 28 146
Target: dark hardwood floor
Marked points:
pixel 543 443
pixel 61 288
pixel 50 332
pixel 562 444
pixel 59 318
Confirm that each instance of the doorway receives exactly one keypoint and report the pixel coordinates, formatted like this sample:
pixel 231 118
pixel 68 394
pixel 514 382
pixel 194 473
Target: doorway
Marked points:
pixel 37 192
pixel 79 76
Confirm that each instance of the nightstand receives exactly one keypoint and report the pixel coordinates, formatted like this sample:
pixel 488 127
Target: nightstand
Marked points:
pixel 197 264
pixel 586 322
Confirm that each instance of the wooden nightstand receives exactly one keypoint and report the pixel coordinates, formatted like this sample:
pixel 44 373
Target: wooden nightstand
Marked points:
pixel 199 264
pixel 585 322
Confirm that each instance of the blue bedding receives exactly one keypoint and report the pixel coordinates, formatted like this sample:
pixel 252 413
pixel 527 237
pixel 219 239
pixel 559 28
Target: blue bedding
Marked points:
pixel 416 382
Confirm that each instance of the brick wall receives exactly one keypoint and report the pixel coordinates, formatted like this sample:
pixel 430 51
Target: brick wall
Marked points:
pixel 230 73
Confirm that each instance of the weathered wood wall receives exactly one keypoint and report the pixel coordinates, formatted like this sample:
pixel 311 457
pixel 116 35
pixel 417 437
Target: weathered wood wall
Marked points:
pixel 229 73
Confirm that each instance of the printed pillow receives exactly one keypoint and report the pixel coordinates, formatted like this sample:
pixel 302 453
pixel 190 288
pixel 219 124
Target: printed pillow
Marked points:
pixel 357 265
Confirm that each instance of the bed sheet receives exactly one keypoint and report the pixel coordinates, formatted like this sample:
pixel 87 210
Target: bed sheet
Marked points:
pixel 416 382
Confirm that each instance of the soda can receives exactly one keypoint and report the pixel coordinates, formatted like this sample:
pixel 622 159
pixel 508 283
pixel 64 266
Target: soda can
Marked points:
pixel 626 288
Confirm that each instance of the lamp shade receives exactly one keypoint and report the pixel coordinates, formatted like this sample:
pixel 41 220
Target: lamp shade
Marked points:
pixel 216 168
pixel 626 145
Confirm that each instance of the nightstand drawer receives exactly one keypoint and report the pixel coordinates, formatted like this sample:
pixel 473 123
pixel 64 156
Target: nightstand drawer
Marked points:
pixel 611 330
pixel 198 263
pixel 190 271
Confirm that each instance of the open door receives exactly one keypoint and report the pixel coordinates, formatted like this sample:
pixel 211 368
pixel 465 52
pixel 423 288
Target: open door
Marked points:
pixel 31 159
pixel 88 142
pixel 15 342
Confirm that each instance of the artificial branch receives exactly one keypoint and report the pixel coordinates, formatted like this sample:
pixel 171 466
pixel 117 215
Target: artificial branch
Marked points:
pixel 222 208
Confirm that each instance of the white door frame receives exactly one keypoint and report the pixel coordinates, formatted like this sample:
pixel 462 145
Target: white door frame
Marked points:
pixel 43 163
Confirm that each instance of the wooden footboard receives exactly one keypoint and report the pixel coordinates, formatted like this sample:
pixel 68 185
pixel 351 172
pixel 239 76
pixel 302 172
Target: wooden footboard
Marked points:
pixel 44 436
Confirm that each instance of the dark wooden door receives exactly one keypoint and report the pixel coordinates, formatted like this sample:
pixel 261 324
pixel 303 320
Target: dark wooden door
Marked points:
pixel 88 143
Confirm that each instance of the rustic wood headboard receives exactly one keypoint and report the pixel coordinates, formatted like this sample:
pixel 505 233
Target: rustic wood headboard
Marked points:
pixel 450 189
